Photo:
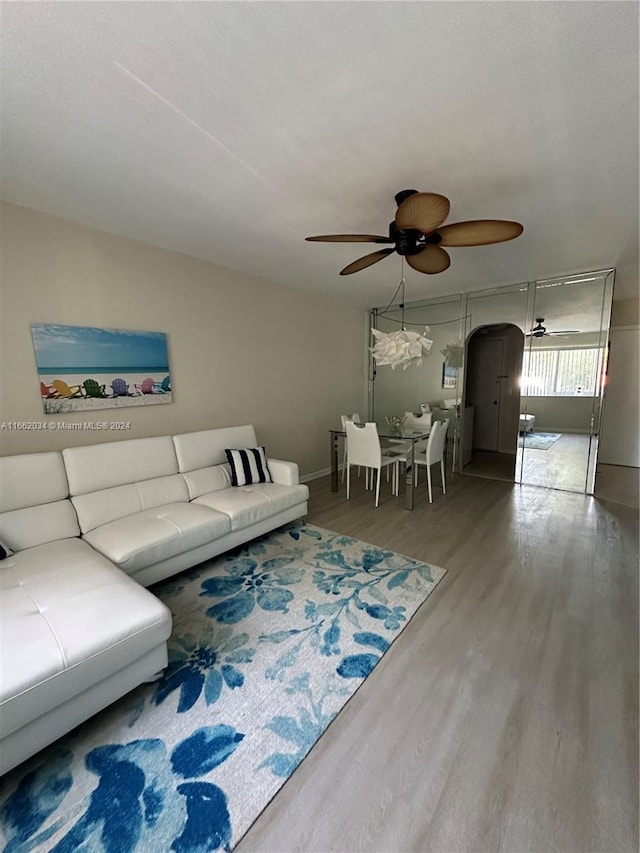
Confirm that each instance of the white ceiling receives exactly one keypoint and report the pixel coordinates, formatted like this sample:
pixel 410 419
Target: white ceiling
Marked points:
pixel 230 131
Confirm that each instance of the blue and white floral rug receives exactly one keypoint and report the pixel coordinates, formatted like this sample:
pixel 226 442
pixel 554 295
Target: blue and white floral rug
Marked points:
pixel 269 643
pixel 538 440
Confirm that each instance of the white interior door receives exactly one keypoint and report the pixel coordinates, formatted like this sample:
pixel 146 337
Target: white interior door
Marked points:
pixel 485 368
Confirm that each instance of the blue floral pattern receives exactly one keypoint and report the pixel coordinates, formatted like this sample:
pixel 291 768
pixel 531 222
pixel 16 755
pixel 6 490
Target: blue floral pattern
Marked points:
pixel 209 661
pixel 268 644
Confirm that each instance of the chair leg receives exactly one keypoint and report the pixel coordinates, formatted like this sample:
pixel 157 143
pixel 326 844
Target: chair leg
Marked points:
pixel 378 487
pixel 444 485
pixel 344 463
pixel 429 484
pixel 348 479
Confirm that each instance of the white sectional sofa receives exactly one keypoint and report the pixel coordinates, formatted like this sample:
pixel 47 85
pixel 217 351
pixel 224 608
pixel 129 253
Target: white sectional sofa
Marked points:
pixel 90 528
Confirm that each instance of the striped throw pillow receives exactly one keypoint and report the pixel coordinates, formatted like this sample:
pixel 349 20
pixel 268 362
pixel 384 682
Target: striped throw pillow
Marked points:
pixel 248 466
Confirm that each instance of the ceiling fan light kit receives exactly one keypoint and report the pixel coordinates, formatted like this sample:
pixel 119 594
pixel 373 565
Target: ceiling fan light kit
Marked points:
pixel 418 234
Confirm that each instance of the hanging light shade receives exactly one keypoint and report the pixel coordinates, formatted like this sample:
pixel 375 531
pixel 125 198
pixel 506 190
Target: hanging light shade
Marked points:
pixel 453 354
pixel 400 348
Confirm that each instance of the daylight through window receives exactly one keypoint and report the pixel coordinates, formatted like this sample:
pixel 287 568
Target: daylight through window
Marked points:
pixel 561 372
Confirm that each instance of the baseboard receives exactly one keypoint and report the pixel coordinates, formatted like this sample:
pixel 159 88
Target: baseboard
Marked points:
pixel 315 475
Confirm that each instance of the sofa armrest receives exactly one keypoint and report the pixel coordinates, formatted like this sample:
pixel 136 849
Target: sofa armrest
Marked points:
pixel 285 473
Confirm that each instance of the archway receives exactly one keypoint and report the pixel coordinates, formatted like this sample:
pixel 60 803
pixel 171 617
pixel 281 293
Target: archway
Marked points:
pixel 493 359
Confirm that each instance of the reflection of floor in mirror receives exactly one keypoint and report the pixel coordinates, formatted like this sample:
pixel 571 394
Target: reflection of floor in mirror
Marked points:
pixel 496 466
pixel 562 466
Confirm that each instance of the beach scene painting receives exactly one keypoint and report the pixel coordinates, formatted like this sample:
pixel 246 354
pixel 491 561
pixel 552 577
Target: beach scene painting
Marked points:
pixel 83 368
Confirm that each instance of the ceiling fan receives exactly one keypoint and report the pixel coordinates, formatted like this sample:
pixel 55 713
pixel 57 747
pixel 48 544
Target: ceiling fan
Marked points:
pixel 417 234
pixel 540 331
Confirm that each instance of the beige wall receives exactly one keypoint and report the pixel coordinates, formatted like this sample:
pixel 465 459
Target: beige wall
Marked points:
pixel 620 444
pixel 562 414
pixel 242 349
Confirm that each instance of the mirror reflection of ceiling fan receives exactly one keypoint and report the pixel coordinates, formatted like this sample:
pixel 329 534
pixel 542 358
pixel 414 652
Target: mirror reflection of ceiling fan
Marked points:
pixel 417 233
pixel 540 331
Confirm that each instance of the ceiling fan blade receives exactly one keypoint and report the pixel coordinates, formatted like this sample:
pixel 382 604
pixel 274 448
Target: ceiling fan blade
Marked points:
pixel 423 211
pixel 349 238
pixel 432 259
pixel 565 332
pixel 366 261
pixel 479 232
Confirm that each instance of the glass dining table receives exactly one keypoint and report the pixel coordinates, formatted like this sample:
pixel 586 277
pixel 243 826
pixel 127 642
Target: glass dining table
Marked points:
pixel 385 432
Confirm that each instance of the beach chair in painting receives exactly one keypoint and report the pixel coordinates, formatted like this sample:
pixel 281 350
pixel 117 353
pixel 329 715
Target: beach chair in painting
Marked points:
pixel 65 390
pixel 93 388
pixel 146 386
pixel 120 388
pixel 47 391
pixel 163 387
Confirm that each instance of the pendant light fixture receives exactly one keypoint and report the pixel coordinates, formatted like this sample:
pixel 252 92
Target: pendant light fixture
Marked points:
pixel 402 347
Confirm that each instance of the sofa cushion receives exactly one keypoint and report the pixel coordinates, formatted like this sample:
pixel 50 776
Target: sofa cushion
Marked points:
pixel 246 505
pixel 148 537
pixel 29 479
pixel 206 448
pixel 117 463
pixel 36 525
pixel 98 508
pixel 33 500
pixel 202 481
pixel 68 619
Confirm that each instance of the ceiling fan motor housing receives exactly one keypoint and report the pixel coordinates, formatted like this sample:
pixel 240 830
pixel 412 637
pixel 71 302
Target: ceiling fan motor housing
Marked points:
pixel 539 330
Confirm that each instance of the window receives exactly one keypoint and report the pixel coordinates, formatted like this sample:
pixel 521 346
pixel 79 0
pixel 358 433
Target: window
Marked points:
pixel 561 372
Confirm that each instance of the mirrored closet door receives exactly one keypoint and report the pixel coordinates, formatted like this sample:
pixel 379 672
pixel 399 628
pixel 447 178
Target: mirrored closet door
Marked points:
pixel 563 372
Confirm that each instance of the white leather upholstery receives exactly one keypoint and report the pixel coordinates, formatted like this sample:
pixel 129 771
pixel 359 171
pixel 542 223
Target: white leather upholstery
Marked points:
pixel 78 707
pixel 167 568
pixel 76 632
pixel 102 466
pixel 33 488
pixel 69 618
pixel 246 505
pixel 205 480
pixel 25 528
pixel 206 448
pixel 97 508
pixel 285 473
pixel 30 479
pixel 139 540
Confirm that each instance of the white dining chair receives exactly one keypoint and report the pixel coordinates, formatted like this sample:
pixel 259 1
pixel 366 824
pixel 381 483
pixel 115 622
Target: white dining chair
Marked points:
pixel 419 423
pixel 354 418
pixel 434 453
pixel 363 448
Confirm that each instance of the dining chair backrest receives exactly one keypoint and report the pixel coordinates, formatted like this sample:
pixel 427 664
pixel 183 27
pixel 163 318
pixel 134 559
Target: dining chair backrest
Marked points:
pixel 354 418
pixel 363 445
pixel 435 445
pixel 411 420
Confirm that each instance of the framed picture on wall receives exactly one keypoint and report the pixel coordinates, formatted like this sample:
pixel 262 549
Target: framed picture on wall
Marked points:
pixel 449 376
pixel 84 368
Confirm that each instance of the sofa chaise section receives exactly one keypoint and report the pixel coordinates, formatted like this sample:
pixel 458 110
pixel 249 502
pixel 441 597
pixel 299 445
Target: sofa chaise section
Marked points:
pixel 75 632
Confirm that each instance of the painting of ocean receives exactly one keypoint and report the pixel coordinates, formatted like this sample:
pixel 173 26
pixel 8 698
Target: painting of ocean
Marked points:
pixel 86 368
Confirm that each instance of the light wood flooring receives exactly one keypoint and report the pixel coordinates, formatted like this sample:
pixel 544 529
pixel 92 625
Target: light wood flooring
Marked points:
pixel 505 716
